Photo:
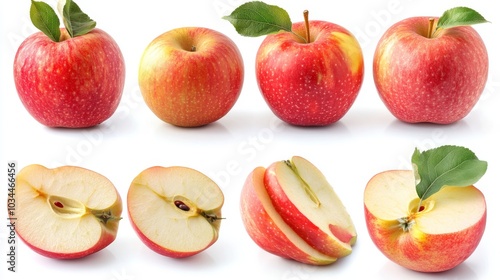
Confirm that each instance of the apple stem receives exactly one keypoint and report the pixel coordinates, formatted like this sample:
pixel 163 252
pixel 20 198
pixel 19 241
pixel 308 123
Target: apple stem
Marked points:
pixel 306 21
pixel 104 217
pixel 193 48
pixel 430 31
pixel 211 217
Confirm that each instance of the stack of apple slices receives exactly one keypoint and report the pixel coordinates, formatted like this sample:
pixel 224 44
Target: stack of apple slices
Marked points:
pixel 66 212
pixel 175 211
pixel 290 210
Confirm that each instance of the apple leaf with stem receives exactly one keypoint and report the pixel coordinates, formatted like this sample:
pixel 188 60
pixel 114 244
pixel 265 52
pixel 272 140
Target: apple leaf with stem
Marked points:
pixel 458 16
pixel 445 166
pixel 46 20
pixel 256 18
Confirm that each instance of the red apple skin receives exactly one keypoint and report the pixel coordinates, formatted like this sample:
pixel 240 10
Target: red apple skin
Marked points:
pixel 432 253
pixel 75 83
pixel 311 84
pixel 191 88
pixel 313 235
pixel 436 80
pixel 261 227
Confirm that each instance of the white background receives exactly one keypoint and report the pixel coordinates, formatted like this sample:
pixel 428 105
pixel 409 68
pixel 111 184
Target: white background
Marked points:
pixel 366 141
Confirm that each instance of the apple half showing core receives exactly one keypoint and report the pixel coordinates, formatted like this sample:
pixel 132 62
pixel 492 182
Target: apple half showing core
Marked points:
pixel 290 210
pixel 175 211
pixel 67 212
pixel 435 235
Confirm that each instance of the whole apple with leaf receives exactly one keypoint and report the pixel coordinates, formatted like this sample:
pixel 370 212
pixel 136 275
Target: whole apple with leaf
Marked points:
pixel 68 77
pixel 429 69
pixel 309 72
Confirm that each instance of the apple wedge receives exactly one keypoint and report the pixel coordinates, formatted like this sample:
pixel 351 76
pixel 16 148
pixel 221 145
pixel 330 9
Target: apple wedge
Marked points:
pixel 268 230
pixel 66 212
pixel 176 211
pixel 293 201
pixel 306 201
pixel 437 236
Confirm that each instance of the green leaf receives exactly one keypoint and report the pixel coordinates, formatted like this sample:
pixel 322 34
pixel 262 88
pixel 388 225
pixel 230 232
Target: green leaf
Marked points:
pixel 459 16
pixel 45 19
pixel 77 22
pixel 257 18
pixel 445 166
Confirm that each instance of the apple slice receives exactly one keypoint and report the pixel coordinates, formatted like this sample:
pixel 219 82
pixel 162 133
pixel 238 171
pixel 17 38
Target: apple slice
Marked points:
pixel 306 201
pixel 176 211
pixel 266 227
pixel 66 212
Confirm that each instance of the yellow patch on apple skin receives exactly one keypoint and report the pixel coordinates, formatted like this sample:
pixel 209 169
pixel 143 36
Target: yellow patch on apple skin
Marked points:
pixel 352 50
pixel 384 58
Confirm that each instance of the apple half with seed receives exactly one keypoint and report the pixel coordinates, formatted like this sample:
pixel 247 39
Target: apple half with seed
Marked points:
pixel 67 212
pixel 175 211
pixel 289 209
pixel 432 218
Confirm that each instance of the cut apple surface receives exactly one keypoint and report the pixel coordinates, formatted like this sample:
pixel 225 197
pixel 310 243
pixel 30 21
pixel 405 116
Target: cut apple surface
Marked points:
pixel 435 235
pixel 293 201
pixel 176 211
pixel 266 227
pixel 66 212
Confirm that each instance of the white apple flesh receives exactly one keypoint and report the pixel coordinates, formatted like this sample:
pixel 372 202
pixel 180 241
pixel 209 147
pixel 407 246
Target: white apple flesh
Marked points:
pixel 436 236
pixel 66 212
pixel 176 211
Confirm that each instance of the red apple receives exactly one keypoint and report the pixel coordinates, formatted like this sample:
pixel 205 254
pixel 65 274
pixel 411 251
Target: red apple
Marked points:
pixel 175 211
pixel 290 210
pixel 310 84
pixel 191 76
pixel 67 212
pixel 436 236
pixel 434 78
pixel 74 83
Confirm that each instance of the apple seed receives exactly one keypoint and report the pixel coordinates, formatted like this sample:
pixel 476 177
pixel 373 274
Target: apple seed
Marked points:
pixel 181 205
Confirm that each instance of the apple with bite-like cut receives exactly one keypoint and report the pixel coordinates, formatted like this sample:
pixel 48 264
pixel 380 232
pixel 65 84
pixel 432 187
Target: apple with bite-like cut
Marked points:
pixel 289 209
pixel 435 226
pixel 175 211
pixel 67 212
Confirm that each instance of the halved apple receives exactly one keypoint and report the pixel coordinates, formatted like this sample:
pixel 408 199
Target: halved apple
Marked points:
pixel 432 236
pixel 293 202
pixel 176 211
pixel 66 212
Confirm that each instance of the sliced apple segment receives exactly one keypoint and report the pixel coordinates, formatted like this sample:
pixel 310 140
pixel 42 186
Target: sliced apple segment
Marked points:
pixel 66 212
pixel 306 201
pixel 176 211
pixel 266 227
